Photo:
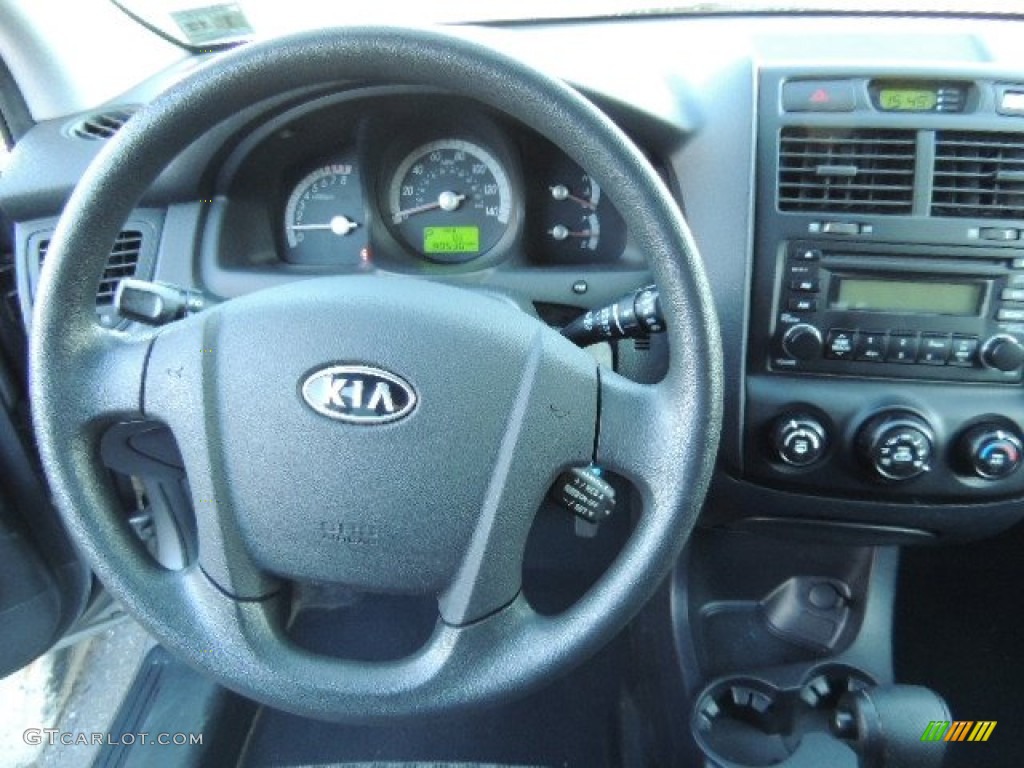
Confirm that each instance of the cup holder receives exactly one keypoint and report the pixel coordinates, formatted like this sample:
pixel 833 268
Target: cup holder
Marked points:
pixel 827 685
pixel 743 722
pixel 747 722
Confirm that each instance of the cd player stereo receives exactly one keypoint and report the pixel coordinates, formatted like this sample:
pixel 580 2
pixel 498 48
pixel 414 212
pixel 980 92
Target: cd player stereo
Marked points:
pixel 888 313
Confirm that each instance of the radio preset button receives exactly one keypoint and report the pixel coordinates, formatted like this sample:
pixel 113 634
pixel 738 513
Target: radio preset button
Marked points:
pixel 963 351
pixel 803 304
pixel 871 346
pixel 840 344
pixel 1016 280
pixel 934 349
pixel 902 348
pixel 804 286
pixel 1010 315
pixel 801 253
pixel 1012 294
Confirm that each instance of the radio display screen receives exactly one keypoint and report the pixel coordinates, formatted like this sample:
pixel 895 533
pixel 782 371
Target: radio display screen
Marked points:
pixel 907 297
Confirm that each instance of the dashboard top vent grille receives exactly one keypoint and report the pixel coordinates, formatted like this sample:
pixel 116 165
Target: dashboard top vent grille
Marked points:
pixel 979 175
pixel 123 262
pixel 101 126
pixel 846 170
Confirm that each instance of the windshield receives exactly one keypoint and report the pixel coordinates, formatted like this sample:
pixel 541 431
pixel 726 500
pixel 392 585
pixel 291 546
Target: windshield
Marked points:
pixel 201 23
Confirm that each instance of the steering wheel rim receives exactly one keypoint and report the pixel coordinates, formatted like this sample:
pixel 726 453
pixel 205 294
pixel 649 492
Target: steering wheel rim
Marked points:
pixel 662 437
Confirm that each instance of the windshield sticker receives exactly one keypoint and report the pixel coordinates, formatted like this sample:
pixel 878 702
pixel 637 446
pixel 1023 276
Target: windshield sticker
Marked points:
pixel 213 23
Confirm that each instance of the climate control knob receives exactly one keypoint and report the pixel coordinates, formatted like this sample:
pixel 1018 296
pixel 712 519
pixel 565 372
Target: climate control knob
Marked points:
pixel 1002 352
pixel 897 445
pixel 991 451
pixel 798 440
pixel 802 342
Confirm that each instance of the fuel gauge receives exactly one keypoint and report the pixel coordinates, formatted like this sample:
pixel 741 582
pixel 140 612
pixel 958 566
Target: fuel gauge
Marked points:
pixel 573 222
pixel 588 231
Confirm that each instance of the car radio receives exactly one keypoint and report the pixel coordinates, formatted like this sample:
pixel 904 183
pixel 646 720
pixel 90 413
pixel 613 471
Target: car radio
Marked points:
pixel 897 314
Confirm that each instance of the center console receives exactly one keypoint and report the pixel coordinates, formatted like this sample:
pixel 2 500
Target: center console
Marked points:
pixel 886 348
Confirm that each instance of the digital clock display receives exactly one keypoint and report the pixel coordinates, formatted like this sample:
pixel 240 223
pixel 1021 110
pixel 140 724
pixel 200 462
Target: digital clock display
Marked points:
pixel 908 99
pixel 451 239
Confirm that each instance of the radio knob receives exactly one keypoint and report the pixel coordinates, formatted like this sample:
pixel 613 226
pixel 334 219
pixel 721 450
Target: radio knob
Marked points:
pixel 1002 352
pixel 991 451
pixel 898 445
pixel 799 440
pixel 802 342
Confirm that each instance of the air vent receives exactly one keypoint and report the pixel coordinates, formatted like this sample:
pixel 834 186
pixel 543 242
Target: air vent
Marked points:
pixel 979 175
pixel 100 126
pixel 846 171
pixel 122 262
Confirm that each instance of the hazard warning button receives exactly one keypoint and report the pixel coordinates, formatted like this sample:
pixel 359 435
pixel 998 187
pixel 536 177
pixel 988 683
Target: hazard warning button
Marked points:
pixel 818 96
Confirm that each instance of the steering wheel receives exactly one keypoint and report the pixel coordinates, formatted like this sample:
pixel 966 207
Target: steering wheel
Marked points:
pixel 437 502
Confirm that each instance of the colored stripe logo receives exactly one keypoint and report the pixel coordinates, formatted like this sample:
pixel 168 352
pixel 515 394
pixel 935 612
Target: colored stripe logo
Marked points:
pixel 959 730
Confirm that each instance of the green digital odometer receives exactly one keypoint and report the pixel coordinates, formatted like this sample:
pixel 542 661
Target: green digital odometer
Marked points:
pixel 908 99
pixel 451 239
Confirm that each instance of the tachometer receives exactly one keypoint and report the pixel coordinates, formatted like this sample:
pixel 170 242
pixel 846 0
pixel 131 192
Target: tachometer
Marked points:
pixel 450 200
pixel 324 219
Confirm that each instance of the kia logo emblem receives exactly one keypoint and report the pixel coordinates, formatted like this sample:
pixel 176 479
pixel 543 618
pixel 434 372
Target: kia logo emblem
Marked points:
pixel 358 394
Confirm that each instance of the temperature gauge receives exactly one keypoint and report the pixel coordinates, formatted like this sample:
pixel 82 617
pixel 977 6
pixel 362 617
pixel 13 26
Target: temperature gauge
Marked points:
pixel 324 219
pixel 572 221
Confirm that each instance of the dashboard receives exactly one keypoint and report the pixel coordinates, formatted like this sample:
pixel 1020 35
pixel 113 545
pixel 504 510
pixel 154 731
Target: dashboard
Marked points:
pixel 858 207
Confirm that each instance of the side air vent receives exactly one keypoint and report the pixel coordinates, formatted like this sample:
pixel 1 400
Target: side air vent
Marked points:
pixel 846 170
pixel 122 262
pixel 979 175
pixel 100 126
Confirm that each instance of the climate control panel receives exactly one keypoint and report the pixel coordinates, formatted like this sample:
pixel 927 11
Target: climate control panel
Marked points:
pixel 897 445
pixel 852 438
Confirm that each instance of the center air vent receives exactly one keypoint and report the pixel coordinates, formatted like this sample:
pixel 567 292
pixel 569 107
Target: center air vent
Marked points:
pixel 122 262
pixel 979 175
pixel 846 170
pixel 101 125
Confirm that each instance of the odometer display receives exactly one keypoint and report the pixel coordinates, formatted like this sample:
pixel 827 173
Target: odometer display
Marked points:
pixel 451 240
pixel 907 99
pixel 450 201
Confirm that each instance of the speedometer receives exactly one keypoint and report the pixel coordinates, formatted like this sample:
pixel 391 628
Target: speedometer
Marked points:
pixel 450 200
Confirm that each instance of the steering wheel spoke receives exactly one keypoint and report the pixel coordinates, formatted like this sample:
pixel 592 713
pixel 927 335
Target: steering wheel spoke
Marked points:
pixel 631 430
pixel 178 381
pixel 109 369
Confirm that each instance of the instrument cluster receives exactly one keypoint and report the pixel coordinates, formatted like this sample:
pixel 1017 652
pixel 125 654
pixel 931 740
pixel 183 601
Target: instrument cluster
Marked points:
pixel 423 183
